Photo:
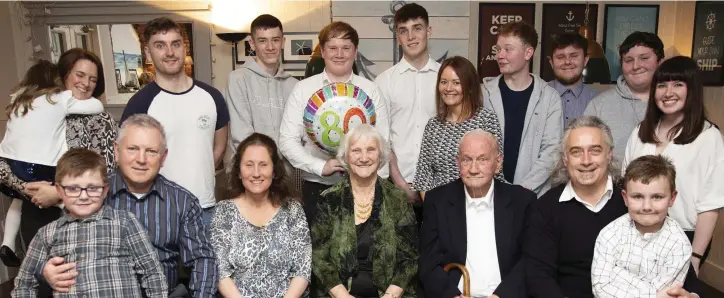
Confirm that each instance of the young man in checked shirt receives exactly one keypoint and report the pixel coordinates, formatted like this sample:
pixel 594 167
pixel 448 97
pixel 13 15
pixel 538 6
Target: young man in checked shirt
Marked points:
pixel 643 253
pixel 112 252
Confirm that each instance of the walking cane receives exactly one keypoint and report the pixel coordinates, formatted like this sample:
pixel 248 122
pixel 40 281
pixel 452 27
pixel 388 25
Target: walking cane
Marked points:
pixel 466 277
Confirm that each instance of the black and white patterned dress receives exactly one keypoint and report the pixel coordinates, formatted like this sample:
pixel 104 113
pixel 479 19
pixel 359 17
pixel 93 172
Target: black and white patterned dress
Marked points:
pixel 261 260
pixel 440 141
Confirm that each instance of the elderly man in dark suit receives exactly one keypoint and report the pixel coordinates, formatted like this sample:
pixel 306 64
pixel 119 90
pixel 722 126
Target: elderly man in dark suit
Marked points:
pixel 475 221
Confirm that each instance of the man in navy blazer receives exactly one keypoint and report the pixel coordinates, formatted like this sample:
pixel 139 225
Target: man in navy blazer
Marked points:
pixel 475 221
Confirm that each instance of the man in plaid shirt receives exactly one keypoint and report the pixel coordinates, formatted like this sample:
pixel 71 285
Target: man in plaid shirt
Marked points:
pixel 113 254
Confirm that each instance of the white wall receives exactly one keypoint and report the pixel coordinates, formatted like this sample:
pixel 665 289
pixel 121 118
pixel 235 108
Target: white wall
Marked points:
pixel 296 16
pixel 449 21
pixel 125 39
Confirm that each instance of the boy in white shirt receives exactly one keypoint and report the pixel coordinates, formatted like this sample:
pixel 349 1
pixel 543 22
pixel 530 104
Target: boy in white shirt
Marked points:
pixel 643 253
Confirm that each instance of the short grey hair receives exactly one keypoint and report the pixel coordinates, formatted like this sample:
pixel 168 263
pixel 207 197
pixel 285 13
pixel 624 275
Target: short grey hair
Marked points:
pixel 560 173
pixel 144 121
pixel 483 133
pixel 363 131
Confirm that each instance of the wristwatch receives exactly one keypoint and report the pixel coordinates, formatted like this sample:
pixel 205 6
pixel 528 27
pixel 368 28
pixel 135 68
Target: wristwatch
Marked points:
pixel 696 255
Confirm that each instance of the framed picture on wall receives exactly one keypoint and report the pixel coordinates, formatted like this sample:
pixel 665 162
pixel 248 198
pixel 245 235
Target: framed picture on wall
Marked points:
pixel 561 19
pixel 620 21
pixel 244 50
pixel 706 50
pixel 299 46
pixel 492 16
pixel 296 73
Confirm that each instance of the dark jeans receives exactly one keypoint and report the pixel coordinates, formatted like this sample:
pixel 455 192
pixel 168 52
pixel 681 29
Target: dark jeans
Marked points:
pixel 310 194
pixel 692 282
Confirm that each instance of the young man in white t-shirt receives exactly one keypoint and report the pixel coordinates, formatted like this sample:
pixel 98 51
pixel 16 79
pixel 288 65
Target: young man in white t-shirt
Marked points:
pixel 409 89
pixel 338 42
pixel 193 114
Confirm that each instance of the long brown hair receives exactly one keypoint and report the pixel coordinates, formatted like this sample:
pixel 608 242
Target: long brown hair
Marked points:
pixel 472 94
pixel 281 192
pixel 41 79
pixel 682 69
pixel 68 60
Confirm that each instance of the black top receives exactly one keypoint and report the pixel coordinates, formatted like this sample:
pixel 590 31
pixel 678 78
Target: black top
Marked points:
pixel 515 104
pixel 560 242
pixel 362 285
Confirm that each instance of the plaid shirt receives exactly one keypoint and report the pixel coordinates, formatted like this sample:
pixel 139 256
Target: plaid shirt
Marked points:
pixel 112 252
pixel 628 264
pixel 172 218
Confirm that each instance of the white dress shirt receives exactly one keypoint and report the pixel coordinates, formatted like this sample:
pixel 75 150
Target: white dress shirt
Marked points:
pixel 294 142
pixel 569 194
pixel 482 253
pixel 699 169
pixel 629 264
pixel 410 94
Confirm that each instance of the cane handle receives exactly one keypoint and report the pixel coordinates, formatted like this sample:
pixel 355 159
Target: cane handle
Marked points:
pixel 466 276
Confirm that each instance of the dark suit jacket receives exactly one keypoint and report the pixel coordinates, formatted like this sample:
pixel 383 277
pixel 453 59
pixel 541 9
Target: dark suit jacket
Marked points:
pixel 443 238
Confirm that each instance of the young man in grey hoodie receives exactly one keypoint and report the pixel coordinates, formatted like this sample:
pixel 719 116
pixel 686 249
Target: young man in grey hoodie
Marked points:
pixel 529 111
pixel 624 107
pixel 257 92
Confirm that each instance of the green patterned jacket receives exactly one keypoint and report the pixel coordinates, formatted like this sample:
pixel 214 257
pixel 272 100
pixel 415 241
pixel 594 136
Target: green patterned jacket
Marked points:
pixel 394 239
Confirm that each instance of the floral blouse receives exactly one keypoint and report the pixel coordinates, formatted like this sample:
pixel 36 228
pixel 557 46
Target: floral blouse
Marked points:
pixel 261 260
pixel 94 132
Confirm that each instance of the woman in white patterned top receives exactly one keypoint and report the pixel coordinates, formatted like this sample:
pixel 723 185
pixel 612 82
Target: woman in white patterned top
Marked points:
pixel 460 109
pixel 260 235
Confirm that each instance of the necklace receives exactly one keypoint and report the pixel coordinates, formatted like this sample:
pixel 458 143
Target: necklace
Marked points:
pixel 362 216
pixel 363 211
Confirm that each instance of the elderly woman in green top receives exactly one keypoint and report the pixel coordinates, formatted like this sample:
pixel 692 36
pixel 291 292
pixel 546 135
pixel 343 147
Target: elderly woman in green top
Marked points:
pixel 364 240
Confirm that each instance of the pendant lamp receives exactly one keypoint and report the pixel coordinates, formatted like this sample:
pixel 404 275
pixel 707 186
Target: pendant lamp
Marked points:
pixel 597 70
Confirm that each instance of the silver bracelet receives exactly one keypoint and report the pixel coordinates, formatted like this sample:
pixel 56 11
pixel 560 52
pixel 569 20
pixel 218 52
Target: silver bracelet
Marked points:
pixel 393 296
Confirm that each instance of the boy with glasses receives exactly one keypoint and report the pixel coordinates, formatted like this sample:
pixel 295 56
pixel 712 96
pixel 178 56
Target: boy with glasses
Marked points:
pixel 112 252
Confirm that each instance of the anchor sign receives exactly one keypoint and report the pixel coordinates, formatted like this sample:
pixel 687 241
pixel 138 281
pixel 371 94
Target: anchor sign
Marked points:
pixel 570 16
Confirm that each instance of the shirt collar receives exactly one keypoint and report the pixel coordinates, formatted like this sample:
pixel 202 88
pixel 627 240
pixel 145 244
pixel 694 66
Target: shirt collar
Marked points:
pixel 648 236
pixel 569 194
pixel 104 212
pixel 485 201
pixel 119 185
pixel 327 81
pixel 405 66
pixel 577 90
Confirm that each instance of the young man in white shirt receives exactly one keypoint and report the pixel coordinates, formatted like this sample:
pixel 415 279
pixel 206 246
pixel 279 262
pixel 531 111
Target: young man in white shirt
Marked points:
pixel 409 89
pixel 193 114
pixel 643 253
pixel 338 42
pixel 528 110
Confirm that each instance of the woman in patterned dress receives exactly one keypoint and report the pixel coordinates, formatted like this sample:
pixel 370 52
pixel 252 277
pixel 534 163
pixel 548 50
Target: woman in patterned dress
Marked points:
pixel 364 238
pixel 95 132
pixel 260 234
pixel 459 110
